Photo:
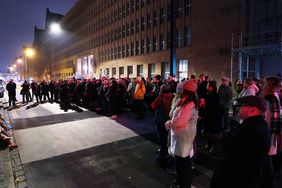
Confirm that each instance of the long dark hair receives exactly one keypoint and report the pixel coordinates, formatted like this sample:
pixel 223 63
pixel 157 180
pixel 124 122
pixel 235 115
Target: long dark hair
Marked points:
pixel 191 97
pixel 271 84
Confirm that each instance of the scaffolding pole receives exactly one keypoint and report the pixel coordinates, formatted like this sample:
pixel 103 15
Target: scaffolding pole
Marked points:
pixel 231 60
pixel 240 58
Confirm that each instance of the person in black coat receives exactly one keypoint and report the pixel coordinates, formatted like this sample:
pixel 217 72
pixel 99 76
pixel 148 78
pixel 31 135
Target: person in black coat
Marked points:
pixel 246 152
pixel 52 89
pixel 44 91
pixel 25 91
pixel 11 88
pixel 112 98
pixel 212 125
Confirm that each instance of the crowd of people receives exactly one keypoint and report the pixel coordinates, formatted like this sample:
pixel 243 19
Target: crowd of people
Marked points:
pixel 185 110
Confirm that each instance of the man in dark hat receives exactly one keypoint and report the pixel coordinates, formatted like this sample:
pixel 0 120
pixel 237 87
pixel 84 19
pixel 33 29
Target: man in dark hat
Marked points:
pixel 246 152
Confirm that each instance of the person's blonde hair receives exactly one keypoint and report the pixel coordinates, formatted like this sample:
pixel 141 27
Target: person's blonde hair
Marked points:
pixel 271 84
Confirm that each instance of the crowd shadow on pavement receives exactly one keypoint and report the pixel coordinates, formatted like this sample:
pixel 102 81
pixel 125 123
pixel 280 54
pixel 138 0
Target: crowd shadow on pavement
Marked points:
pixel 32 106
pixel 17 106
pixel 126 163
pixel 71 107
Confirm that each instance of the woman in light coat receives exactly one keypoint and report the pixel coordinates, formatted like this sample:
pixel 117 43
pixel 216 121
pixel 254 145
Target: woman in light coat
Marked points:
pixel 183 131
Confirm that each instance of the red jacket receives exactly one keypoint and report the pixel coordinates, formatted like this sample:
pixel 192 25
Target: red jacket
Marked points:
pixel 167 99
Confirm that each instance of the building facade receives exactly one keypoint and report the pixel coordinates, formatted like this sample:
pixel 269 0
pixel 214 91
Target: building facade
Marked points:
pixel 127 38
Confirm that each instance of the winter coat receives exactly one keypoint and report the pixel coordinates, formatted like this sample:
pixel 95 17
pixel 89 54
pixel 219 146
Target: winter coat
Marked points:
pixel 164 99
pixel 140 91
pixel 25 88
pixel 183 130
pixel 11 88
pixel 112 98
pixel 212 114
pixel 225 96
pixel 246 156
pixel 202 89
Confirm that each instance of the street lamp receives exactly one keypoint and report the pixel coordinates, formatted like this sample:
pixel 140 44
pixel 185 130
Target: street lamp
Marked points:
pixel 54 30
pixel 27 53
pixel 19 60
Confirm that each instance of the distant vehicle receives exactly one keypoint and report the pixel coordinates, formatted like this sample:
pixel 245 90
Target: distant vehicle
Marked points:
pixel 2 89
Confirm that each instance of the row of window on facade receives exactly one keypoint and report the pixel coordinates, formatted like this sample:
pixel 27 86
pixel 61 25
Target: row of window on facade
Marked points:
pixel 158 17
pixel 149 45
pixel 130 7
pixel 165 71
pixel 125 31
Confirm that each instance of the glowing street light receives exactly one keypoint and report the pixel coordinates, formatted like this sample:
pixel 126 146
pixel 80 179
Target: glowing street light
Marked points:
pixel 55 28
pixel 29 52
pixel 19 60
pixel 11 68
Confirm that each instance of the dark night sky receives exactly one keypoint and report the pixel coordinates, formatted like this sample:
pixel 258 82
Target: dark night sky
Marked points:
pixel 17 21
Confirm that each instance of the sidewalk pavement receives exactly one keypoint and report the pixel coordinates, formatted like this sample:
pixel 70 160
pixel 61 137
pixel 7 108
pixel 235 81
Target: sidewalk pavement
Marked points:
pixel 72 149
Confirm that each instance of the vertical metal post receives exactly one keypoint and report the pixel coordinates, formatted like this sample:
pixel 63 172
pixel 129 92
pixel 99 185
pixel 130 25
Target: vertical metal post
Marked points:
pixel 240 58
pixel 231 60
pixel 173 65
pixel 25 67
pixel 52 60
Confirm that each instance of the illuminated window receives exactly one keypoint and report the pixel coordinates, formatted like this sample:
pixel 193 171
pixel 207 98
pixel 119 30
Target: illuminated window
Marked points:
pixel 129 70
pixel 140 70
pixel 152 70
pixel 183 69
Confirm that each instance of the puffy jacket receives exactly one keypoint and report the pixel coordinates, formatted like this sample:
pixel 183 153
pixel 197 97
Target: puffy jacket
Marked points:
pixel 140 91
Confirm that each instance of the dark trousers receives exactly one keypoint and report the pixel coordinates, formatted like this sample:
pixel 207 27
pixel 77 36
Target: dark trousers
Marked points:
pixel 26 97
pixel 12 100
pixel 163 134
pixel 56 96
pixel 52 95
pixel 36 97
pixel 277 164
pixel 44 95
pixel 184 172
pixel 139 107
pixel 268 179
pixel 224 119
